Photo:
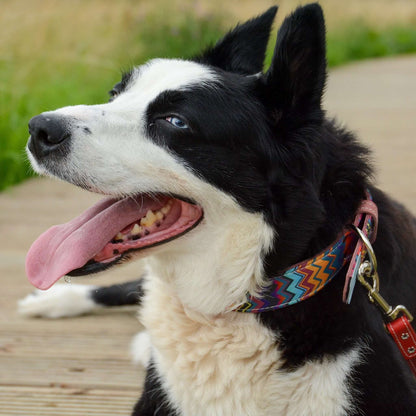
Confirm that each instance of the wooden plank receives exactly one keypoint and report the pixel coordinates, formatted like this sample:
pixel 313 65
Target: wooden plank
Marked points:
pixel 22 342
pixel 58 401
pixel 66 372
pixel 66 367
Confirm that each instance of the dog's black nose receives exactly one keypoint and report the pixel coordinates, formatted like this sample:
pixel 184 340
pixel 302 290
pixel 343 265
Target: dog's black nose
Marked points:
pixel 47 133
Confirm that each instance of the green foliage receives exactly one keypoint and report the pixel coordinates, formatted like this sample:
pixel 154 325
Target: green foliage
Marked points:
pixel 183 39
pixel 47 82
pixel 28 88
pixel 30 96
pixel 360 41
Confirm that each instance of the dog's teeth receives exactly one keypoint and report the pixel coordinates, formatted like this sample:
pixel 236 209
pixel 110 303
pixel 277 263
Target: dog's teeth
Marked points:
pixel 149 219
pixel 166 209
pixel 136 230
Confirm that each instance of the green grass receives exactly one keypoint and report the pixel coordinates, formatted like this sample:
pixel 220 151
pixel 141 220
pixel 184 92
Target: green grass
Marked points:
pixel 360 41
pixel 52 79
pixel 51 83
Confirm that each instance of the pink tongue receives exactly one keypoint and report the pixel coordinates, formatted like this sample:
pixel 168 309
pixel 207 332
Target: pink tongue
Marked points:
pixel 66 247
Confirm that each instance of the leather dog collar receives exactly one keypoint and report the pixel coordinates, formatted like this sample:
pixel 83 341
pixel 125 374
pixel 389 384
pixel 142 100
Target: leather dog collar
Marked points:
pixel 305 279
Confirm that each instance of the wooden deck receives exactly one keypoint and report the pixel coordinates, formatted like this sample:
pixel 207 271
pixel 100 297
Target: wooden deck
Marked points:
pixel 81 366
pixel 73 366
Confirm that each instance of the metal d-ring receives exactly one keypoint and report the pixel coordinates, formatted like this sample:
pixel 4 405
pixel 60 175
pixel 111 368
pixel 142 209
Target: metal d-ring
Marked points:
pixel 367 271
pixel 368 245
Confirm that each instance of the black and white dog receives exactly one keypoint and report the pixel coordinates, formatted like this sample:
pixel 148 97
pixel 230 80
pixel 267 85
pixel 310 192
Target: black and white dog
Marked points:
pixel 224 176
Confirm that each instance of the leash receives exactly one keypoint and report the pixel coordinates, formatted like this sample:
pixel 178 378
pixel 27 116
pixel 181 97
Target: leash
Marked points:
pixel 306 278
pixel 397 318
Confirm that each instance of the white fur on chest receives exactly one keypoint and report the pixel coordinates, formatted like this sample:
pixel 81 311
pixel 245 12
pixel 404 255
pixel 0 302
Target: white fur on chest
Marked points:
pixel 230 365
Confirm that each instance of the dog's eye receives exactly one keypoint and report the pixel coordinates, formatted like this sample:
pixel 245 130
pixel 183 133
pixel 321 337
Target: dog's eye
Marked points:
pixel 177 122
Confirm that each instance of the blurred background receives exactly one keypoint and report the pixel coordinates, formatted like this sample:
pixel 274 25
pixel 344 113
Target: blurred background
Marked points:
pixel 57 52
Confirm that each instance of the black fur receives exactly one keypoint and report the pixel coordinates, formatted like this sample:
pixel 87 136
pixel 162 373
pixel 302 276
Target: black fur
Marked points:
pixel 308 176
pixel 265 140
pixel 122 85
pixel 129 293
pixel 243 49
pixel 153 400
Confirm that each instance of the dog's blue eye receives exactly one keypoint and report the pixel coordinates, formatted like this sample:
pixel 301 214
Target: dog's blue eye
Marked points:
pixel 177 122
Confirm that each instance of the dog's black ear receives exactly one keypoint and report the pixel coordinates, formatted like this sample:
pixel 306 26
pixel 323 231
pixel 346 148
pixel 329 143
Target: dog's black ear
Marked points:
pixel 243 49
pixel 295 80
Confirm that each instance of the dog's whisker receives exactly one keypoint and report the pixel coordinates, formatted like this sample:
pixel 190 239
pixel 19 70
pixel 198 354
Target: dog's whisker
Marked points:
pixel 244 196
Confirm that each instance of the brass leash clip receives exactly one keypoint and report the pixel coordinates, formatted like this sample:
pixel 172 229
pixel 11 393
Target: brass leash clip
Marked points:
pixel 368 277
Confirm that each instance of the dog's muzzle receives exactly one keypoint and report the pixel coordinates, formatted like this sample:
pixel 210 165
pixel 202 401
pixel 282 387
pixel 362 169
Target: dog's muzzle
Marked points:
pixel 48 133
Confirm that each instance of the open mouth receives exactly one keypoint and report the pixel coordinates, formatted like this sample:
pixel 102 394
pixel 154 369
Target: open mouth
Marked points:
pixel 173 219
pixel 106 234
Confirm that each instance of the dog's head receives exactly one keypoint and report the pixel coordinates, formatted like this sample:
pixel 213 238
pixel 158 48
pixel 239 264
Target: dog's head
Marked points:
pixel 220 162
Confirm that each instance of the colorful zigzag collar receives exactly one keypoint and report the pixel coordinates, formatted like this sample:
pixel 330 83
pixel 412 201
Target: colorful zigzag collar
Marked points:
pixel 306 278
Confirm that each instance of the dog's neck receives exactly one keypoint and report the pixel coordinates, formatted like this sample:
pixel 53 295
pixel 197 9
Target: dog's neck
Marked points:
pixel 215 286
pixel 207 276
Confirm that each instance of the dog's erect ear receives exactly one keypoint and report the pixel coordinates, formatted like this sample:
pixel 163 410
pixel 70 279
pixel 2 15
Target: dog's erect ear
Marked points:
pixel 296 77
pixel 243 49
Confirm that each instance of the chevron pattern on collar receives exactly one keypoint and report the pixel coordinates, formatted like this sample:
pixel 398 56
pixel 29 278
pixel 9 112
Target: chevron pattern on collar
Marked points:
pixel 306 278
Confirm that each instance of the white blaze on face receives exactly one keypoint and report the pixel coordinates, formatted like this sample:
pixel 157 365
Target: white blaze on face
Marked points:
pixel 214 265
pixel 117 157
